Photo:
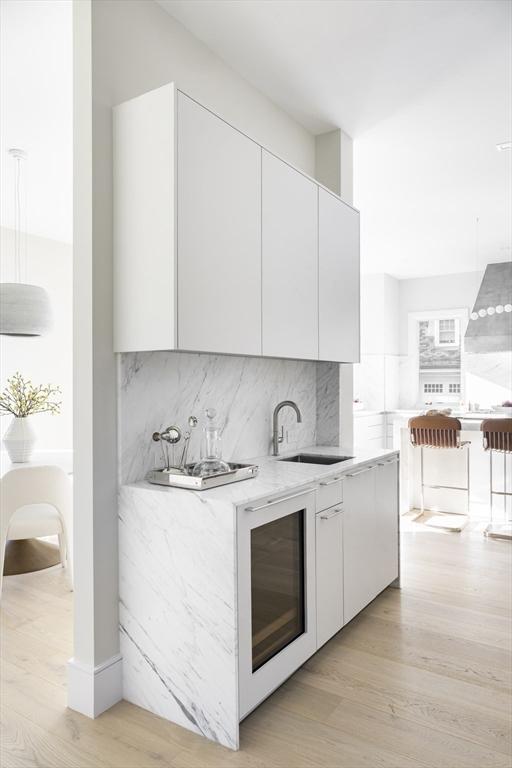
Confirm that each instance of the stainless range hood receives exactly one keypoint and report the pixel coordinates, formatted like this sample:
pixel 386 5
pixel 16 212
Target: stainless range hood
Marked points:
pixel 490 325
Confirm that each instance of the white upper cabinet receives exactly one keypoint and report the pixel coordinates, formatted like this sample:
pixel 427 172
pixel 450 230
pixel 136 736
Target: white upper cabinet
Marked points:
pixel 219 246
pixel 289 261
pixel 144 222
pixel 219 234
pixel 338 276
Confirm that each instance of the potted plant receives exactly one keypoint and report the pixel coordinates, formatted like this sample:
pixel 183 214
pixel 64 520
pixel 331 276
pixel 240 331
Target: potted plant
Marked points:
pixel 22 399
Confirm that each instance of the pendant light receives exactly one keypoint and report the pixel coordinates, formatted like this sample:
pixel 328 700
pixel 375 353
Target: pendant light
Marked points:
pixel 24 308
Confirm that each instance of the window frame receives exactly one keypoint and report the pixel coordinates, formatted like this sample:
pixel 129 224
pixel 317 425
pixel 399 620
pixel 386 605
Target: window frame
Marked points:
pixel 412 390
pixel 437 334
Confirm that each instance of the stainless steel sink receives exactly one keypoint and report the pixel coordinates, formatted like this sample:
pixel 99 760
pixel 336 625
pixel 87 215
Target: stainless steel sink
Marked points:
pixel 315 458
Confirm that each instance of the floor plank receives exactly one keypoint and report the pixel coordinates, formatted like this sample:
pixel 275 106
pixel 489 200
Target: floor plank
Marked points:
pixel 422 678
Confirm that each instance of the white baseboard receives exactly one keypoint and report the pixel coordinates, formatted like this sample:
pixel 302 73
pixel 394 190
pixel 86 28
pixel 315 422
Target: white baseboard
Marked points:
pixel 92 690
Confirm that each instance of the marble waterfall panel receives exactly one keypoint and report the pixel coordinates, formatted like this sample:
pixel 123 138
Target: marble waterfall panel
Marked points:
pixel 177 610
pixel 162 388
pixel 328 404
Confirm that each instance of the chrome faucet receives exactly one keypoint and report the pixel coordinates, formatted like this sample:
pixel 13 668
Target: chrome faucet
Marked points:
pixel 276 436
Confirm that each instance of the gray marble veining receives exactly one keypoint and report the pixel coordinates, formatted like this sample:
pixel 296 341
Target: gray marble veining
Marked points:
pixel 177 610
pixel 161 388
pixel 328 396
pixel 178 593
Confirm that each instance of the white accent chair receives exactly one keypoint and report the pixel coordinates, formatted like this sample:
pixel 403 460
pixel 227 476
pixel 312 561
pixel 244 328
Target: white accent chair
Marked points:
pixel 36 501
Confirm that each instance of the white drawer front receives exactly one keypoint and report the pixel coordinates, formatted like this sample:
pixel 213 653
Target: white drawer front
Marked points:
pixel 369 431
pixel 370 444
pixel 329 493
pixel 368 421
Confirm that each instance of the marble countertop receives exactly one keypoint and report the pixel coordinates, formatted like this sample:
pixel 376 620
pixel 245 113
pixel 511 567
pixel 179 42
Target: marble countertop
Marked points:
pixel 463 415
pixel 274 476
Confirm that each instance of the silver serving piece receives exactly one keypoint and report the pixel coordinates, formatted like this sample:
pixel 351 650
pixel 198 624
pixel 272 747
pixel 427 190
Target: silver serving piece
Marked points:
pixel 180 475
pixel 175 479
pixel 171 437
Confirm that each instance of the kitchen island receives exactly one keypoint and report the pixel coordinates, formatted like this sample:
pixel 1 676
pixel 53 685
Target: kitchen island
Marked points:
pixel 450 468
pixel 225 592
pixel 376 429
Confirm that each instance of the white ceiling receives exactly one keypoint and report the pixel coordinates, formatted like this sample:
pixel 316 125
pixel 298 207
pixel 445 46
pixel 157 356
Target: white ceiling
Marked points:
pixel 424 87
pixel 36 112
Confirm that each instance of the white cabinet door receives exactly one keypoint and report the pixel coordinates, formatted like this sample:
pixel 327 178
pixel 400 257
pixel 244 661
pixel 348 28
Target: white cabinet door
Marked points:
pixel 359 542
pixel 338 275
pixel 219 234
pixel 144 222
pixel 289 261
pixel 386 522
pixel 329 573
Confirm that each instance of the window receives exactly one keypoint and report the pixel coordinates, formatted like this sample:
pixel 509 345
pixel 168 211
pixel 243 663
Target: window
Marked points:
pixel 447 333
pixel 433 388
pixel 436 343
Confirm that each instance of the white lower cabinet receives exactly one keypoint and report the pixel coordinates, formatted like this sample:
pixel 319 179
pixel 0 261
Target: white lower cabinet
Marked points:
pixel 369 432
pixel 370 534
pixel 358 528
pixel 329 573
pixel 304 573
pixel 386 521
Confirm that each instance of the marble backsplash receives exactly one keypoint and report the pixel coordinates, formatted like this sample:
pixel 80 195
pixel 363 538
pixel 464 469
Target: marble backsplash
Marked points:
pixel 158 389
pixel 488 378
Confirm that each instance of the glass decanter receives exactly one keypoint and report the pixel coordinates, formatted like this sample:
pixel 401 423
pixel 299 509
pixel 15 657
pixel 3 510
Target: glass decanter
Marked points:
pixel 211 462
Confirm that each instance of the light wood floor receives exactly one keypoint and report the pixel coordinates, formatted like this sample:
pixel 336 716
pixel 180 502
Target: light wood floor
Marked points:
pixel 421 678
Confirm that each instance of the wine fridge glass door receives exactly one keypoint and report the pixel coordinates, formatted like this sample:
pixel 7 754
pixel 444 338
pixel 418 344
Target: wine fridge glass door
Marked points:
pixel 277 586
pixel 276 593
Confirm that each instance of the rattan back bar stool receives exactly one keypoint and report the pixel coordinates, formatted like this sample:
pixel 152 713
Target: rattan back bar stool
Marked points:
pixel 441 432
pixel 497 438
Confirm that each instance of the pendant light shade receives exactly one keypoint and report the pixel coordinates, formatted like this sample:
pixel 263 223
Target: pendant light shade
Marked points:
pixel 24 308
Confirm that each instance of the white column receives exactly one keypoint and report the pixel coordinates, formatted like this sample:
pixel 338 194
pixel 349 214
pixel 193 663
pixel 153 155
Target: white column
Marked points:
pixel 334 163
pixel 334 169
pixel 94 672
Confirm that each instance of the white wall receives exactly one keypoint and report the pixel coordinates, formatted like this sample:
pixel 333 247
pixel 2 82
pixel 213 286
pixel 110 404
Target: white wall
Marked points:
pixel 138 46
pixel 43 359
pixel 379 314
pixel 132 46
pixel 386 377
pixel 36 112
pixel 376 376
pixel 435 193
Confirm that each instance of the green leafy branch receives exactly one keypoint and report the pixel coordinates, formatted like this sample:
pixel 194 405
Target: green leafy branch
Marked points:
pixel 21 398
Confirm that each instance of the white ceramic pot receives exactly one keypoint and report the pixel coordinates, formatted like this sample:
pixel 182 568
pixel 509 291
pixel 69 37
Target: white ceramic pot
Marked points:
pixel 19 439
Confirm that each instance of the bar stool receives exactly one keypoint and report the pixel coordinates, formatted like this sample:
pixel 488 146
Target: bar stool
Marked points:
pixel 497 438
pixel 441 432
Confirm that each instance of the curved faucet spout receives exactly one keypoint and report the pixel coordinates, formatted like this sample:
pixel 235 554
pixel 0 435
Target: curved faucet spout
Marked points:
pixel 276 436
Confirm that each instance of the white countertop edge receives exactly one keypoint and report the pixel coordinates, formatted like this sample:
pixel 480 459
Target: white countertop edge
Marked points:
pixel 274 476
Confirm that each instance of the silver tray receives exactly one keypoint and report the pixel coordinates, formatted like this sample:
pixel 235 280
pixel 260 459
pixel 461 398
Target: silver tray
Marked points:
pixel 172 478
